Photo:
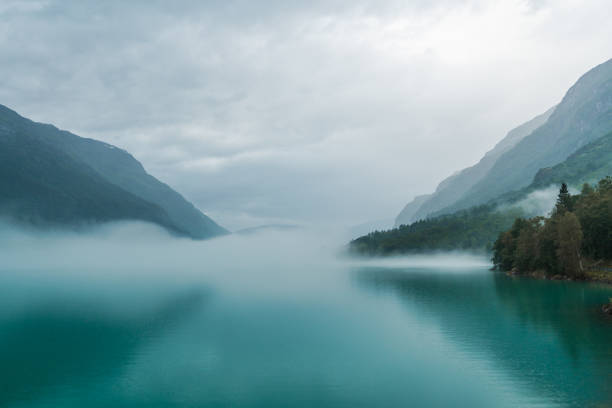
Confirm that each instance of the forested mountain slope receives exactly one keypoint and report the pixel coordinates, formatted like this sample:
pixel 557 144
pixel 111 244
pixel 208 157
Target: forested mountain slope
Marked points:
pixel 477 227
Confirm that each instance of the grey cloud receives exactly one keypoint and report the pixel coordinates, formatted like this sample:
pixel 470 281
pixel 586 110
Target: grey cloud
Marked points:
pixel 331 111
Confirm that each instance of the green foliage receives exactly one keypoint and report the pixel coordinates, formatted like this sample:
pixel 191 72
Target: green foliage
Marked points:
pixel 472 229
pixel 594 212
pixel 564 200
pixel 569 243
pixel 580 226
pixel 587 165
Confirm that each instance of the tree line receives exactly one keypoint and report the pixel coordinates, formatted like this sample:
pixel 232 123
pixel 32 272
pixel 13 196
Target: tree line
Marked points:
pixel 473 229
pixel 576 234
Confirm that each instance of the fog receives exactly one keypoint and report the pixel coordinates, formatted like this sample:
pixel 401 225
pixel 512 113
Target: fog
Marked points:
pixel 128 312
pixel 125 271
pixel 539 202
pixel 136 249
pixel 283 260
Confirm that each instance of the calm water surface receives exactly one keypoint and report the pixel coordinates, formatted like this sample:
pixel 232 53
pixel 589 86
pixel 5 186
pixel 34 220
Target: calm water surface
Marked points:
pixel 296 332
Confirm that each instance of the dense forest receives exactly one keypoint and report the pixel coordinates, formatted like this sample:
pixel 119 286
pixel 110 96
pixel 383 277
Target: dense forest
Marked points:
pixel 472 229
pixel 576 237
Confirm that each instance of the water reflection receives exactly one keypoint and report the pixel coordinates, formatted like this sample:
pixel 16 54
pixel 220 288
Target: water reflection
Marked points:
pixel 65 343
pixel 397 337
pixel 548 335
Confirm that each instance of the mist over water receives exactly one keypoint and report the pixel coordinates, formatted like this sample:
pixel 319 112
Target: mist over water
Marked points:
pixel 127 315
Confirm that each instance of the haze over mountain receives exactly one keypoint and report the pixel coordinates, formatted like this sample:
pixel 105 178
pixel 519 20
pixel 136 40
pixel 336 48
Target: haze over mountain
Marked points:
pixel 454 187
pixel 584 115
pixel 573 146
pixel 51 177
pixel 589 164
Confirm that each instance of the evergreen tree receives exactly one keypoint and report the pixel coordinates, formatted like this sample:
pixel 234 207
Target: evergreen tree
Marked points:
pixel 564 200
pixel 557 244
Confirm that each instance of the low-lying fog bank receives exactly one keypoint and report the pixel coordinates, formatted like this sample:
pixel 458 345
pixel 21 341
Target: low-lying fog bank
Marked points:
pixel 268 259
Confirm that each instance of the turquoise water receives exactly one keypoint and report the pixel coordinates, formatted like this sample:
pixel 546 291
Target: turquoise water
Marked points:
pixel 295 331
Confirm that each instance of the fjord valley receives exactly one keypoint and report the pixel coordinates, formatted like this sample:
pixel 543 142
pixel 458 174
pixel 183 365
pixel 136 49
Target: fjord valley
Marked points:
pixel 210 204
pixel 137 316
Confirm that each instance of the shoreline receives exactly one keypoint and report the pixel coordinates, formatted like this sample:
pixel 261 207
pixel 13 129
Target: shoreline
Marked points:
pixel 606 308
pixel 542 276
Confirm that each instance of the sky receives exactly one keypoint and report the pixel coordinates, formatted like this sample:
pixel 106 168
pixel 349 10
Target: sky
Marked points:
pixel 297 112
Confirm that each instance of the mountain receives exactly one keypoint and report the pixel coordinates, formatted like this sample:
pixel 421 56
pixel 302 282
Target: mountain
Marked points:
pixel 573 146
pixel 51 177
pixel 588 164
pixel 583 116
pixel 358 230
pixel 476 228
pixel 407 215
pixel 454 187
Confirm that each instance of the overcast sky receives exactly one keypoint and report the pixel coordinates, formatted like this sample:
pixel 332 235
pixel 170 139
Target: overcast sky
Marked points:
pixel 297 111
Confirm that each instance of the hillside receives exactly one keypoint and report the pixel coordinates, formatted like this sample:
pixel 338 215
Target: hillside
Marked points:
pixel 583 116
pixel 452 188
pixel 587 165
pixel 407 215
pixel 50 177
pixel 477 228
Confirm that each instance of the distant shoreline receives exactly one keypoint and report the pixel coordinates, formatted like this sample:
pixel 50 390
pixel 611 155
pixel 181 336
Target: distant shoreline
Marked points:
pixel 589 277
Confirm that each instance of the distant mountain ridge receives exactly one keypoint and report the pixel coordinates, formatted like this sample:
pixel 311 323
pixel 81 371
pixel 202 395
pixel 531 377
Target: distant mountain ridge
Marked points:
pixel 455 186
pixel 573 146
pixel 51 177
pixel 408 213
pixel 589 164
pixel 476 228
pixel 583 116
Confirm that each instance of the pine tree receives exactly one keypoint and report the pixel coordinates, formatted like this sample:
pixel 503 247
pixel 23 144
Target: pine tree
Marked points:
pixel 564 200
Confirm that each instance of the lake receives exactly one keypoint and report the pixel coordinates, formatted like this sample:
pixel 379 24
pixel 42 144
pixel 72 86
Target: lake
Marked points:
pixel 278 321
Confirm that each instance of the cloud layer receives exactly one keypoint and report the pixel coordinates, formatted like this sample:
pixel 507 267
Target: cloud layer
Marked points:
pixel 282 111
